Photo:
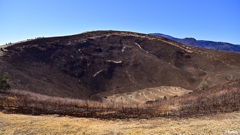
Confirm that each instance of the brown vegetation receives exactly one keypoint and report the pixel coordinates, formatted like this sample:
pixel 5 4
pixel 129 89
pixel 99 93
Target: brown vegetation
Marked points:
pixel 16 101
pixel 220 124
pixel 225 98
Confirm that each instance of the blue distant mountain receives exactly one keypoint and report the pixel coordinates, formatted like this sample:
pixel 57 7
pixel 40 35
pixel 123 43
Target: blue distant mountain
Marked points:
pixel 203 43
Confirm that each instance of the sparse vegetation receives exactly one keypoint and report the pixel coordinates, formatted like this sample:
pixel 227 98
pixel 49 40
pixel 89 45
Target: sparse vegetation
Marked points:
pixel 36 104
pixel 219 99
pixel 225 98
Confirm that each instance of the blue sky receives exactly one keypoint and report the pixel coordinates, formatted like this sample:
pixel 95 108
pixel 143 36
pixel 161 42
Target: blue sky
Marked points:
pixel 217 20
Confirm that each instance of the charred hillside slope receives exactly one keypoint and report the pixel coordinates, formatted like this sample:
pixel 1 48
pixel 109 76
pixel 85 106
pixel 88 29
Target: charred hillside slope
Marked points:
pixel 80 66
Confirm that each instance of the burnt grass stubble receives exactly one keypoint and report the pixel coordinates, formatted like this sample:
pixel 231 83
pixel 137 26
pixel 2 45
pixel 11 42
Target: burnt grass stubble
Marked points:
pixel 197 104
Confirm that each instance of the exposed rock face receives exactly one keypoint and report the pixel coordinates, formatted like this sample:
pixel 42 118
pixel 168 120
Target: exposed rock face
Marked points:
pixel 83 65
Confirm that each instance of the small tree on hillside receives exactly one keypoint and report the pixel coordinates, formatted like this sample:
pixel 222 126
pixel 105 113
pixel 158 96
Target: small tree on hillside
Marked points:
pixel 4 82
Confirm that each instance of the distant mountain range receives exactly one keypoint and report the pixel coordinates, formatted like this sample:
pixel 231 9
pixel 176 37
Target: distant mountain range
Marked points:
pixel 203 43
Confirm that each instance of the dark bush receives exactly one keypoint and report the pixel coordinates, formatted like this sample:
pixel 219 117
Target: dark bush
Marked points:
pixel 4 82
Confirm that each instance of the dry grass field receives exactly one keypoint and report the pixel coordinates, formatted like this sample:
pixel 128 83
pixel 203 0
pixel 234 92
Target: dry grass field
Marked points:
pixel 15 124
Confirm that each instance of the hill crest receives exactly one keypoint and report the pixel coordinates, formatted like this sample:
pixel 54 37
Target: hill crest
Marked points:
pixel 83 65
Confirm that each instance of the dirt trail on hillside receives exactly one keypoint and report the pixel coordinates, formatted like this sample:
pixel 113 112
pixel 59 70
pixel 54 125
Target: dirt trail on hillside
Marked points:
pixel 12 124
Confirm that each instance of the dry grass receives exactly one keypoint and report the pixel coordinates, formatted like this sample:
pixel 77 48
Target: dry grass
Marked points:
pixel 224 98
pixel 219 99
pixel 13 124
pixel 15 101
pixel 143 95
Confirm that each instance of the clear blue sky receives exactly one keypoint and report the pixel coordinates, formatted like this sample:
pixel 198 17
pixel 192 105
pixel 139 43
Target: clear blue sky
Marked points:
pixel 217 20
